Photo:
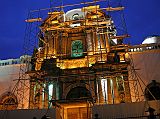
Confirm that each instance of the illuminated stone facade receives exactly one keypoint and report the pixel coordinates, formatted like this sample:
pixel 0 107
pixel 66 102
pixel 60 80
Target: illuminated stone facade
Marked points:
pixel 79 58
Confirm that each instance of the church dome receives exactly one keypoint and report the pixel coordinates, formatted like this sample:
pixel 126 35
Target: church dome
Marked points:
pixel 75 14
pixel 151 39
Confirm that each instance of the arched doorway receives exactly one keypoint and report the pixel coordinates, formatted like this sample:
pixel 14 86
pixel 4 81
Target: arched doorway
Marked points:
pixel 79 109
pixel 78 92
pixel 152 91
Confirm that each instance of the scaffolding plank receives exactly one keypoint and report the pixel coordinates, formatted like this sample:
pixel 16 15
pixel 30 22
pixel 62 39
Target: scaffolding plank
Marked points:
pixel 33 20
pixel 114 9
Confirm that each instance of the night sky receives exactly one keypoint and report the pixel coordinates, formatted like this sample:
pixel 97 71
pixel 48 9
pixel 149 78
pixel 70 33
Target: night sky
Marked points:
pixel 142 19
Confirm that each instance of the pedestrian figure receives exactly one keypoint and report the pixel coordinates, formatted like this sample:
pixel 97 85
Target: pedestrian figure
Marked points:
pixel 151 113
pixel 96 116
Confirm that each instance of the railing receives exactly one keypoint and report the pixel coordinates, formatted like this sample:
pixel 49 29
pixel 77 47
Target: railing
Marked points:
pixel 144 47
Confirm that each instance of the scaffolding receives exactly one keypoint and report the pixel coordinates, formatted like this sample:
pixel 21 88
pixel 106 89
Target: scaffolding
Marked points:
pixel 85 48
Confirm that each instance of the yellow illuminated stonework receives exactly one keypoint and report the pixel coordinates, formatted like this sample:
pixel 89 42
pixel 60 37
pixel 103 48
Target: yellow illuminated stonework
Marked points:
pixel 81 58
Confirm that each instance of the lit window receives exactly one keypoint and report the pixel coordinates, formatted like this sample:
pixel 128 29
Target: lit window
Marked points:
pixel 50 88
pixel 77 48
pixel 104 89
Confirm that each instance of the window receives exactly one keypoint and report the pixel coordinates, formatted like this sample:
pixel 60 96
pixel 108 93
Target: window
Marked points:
pixel 50 88
pixel 75 16
pixel 77 48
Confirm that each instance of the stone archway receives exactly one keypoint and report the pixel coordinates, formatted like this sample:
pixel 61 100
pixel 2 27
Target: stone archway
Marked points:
pixel 79 109
pixel 72 86
pixel 78 92
pixel 8 101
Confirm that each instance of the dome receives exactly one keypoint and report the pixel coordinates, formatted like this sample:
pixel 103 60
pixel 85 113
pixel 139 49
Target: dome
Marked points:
pixel 75 14
pixel 151 39
pixel 25 56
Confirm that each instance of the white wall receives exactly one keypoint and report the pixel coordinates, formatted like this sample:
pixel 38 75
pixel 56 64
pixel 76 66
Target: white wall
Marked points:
pixel 9 75
pixel 147 65
pixel 124 110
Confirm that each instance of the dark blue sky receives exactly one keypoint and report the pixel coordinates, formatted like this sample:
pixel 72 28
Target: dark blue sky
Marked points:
pixel 142 19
